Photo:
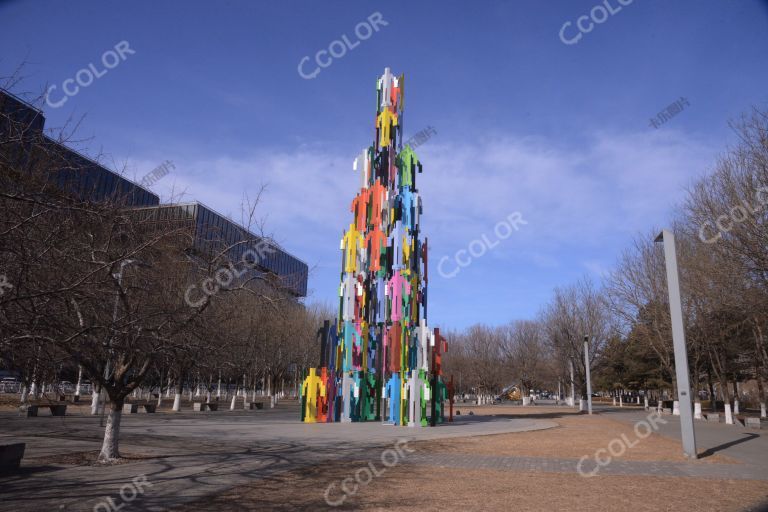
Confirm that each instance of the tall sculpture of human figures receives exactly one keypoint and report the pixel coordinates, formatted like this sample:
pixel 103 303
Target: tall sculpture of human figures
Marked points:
pixel 381 346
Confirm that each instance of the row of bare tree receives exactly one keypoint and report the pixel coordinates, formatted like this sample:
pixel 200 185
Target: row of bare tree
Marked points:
pixel 722 245
pixel 97 289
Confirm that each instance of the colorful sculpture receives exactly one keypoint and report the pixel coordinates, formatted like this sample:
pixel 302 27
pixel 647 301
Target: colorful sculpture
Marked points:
pixel 380 347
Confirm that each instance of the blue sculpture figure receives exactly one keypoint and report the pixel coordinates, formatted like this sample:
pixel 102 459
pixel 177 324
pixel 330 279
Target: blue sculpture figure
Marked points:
pixel 392 392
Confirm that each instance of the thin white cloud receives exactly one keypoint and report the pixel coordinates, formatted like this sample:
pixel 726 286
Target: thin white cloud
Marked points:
pixel 591 198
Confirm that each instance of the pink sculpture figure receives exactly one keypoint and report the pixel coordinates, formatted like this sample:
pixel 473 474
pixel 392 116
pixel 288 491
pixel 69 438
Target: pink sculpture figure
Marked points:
pixel 397 285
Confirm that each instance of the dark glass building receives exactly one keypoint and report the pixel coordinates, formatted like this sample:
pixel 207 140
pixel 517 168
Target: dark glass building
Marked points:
pixel 24 146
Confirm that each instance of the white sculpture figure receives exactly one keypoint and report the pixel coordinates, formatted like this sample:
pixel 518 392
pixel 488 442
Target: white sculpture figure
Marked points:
pixel 363 165
pixel 385 86
pixel 414 400
pixel 347 291
pixel 425 336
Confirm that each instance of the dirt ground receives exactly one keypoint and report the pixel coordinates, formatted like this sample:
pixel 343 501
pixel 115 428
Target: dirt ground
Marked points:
pixel 576 436
pixel 411 487
pixel 426 488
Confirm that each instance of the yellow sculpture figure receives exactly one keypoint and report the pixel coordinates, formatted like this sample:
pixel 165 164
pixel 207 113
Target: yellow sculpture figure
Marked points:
pixel 312 386
pixel 351 244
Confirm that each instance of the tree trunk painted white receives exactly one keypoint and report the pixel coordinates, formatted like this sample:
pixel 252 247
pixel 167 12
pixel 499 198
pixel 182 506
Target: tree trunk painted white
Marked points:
pixel 735 407
pixel 728 415
pixel 621 401
pixel 697 410
pixel 272 401
pixel 218 389
pixel 614 401
pixel 24 395
pixel 645 399
pixel 159 399
pixel 582 405
pixel 94 400
pixel 79 381
pixel 208 396
pixel 234 400
pixel 109 448
pixel 638 399
pixel 33 390
pixel 762 410
pixel 526 400
pixel 177 402
pixel 676 408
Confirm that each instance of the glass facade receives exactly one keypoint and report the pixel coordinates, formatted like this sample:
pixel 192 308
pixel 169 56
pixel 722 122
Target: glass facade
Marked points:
pixel 213 235
pixel 65 167
pixel 216 234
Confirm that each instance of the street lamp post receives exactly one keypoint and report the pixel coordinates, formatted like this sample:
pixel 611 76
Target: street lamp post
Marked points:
pixel 678 341
pixel 587 372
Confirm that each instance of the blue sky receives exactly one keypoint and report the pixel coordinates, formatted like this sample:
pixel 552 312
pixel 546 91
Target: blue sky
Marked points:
pixel 525 123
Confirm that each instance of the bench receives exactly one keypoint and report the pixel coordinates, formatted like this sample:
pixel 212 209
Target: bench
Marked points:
pixel 130 408
pixel 713 417
pixel 10 456
pixel 752 423
pixel 148 408
pixel 199 406
pixel 56 409
pixel 253 405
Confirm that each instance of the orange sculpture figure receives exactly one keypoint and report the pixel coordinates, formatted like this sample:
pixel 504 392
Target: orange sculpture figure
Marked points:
pixel 312 388
pixel 322 400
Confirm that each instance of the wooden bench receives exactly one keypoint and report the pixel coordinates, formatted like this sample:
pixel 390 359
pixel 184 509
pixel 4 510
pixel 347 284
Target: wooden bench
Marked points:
pixel 10 456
